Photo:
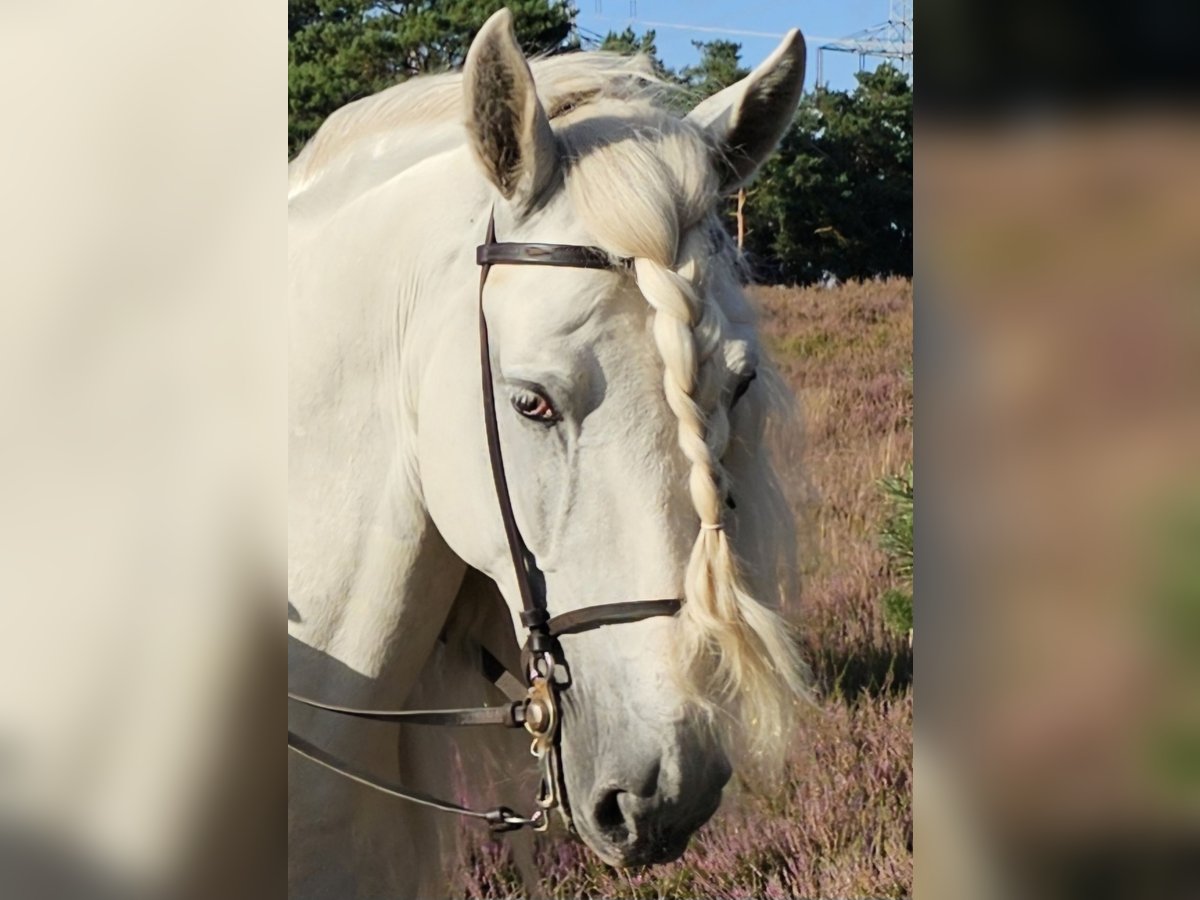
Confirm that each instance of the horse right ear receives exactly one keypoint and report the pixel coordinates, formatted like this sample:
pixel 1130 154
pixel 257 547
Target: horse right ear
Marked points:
pixel 746 121
pixel 509 130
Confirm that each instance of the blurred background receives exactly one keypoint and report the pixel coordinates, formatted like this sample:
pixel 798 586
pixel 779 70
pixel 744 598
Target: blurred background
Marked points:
pixel 1058 364
pixel 143 457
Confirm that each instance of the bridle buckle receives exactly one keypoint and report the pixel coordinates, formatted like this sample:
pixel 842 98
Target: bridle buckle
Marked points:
pixel 541 712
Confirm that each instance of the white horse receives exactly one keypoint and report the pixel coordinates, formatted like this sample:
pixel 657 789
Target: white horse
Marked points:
pixel 632 429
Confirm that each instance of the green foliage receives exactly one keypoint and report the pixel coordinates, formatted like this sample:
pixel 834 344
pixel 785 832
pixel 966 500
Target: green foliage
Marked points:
pixel 1172 600
pixel 898 610
pixel 627 43
pixel 837 197
pixel 342 50
pixel 720 66
pixel 896 539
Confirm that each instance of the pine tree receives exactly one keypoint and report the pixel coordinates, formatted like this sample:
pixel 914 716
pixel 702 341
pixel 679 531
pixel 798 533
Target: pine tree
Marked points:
pixel 837 197
pixel 342 50
pixel 720 66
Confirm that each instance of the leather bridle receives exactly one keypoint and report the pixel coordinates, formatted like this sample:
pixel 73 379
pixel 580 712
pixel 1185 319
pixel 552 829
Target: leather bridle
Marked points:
pixel 533 700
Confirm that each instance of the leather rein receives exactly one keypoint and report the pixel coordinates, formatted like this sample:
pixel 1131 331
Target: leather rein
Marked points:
pixel 533 699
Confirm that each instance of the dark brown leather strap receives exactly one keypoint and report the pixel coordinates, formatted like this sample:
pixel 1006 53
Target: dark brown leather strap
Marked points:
pixel 534 616
pixel 511 715
pixel 566 255
pixel 611 614
pixel 499 675
pixel 501 818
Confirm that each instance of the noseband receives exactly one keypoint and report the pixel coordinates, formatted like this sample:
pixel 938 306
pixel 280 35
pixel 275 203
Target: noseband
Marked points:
pixel 533 701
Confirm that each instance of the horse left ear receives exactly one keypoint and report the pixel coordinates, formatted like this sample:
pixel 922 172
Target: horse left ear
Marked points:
pixel 747 120
pixel 509 130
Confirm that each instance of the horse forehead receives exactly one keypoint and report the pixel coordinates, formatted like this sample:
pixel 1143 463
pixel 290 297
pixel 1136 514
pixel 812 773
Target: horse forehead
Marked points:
pixel 538 313
pixel 531 303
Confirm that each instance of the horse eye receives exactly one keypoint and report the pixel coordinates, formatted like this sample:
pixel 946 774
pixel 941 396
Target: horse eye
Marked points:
pixel 533 405
pixel 740 390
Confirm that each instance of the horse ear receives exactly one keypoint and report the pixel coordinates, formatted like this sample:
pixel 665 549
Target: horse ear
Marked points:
pixel 747 119
pixel 509 130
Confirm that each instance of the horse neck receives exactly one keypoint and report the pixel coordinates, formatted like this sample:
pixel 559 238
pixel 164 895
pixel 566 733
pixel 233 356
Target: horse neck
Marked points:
pixel 371 579
pixel 368 570
pixel 371 658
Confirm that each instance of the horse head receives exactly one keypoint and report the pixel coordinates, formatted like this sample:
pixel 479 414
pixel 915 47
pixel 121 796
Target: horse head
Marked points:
pixel 631 407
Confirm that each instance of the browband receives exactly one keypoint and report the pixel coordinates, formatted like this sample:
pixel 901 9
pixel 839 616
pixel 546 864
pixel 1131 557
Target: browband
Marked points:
pixel 567 255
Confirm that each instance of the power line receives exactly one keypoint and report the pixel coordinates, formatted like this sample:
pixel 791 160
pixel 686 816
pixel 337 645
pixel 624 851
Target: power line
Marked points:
pixel 892 40
pixel 711 29
pixel 632 8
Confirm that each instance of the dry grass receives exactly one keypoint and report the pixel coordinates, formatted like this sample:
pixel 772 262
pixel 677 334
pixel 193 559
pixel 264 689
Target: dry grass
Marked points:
pixel 841 825
pixel 847 355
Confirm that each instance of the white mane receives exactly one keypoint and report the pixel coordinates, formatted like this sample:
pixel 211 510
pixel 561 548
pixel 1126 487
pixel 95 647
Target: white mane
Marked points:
pixel 380 136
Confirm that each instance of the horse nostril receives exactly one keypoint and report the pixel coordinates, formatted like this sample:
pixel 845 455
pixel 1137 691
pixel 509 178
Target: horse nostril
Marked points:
pixel 608 815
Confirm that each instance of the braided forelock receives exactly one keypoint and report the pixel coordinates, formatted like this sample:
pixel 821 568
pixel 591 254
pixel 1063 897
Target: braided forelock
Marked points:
pixel 736 651
pixel 650 198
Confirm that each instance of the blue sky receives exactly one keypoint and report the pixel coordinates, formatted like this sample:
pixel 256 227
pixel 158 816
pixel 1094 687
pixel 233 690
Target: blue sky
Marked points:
pixel 817 19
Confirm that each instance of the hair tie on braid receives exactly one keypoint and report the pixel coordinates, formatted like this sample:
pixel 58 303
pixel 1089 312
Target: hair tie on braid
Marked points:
pixel 716 526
